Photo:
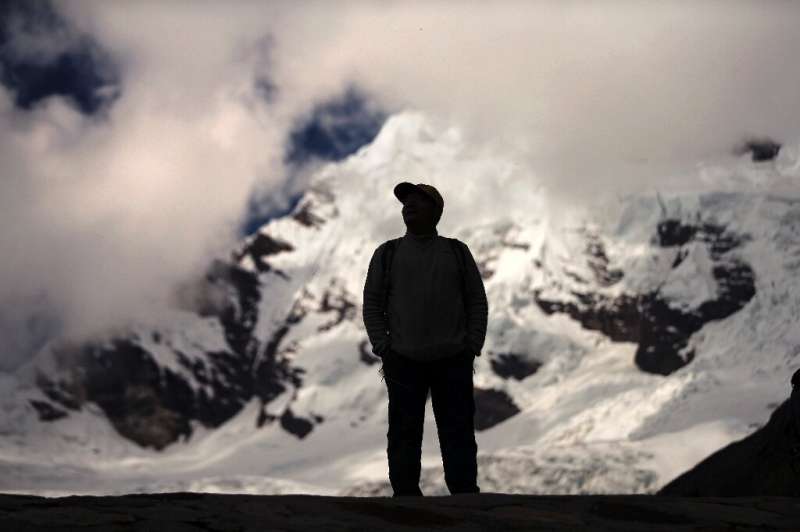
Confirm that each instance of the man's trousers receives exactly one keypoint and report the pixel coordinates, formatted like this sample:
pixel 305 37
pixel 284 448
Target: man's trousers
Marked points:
pixel 449 382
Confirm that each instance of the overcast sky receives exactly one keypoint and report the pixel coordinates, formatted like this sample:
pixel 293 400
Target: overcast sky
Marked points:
pixel 105 207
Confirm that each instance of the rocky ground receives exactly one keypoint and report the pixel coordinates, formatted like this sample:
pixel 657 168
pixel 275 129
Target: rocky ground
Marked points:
pixel 180 512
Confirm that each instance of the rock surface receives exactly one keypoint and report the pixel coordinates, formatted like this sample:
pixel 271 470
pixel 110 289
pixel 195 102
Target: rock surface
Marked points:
pixel 187 511
pixel 767 462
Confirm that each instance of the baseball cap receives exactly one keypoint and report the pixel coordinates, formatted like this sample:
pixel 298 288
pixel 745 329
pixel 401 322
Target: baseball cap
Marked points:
pixel 402 189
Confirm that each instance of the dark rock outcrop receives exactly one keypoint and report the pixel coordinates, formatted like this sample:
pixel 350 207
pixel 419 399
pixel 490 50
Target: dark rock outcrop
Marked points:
pixel 239 317
pixel 296 425
pixel 760 149
pixel 767 462
pixel 303 215
pixel 261 246
pixel 153 405
pixel 145 404
pixel 46 410
pixel 492 407
pixel 513 366
pixel 662 331
pixel 335 299
pixel 598 261
pixel 666 329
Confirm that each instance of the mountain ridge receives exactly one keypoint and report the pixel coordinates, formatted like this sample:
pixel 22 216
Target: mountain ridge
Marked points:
pixel 266 352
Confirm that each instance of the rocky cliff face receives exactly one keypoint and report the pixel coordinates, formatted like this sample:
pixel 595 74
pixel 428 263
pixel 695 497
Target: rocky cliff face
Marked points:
pixel 767 462
pixel 152 403
pixel 661 330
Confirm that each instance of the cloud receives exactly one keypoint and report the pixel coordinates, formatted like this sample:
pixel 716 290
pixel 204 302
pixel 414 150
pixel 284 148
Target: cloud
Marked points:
pixel 106 213
pixel 591 95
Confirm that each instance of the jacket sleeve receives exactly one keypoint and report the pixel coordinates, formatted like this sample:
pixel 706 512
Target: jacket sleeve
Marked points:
pixel 476 305
pixel 372 308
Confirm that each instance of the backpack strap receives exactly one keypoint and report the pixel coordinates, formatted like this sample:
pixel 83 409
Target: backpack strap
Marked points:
pixel 386 268
pixel 462 263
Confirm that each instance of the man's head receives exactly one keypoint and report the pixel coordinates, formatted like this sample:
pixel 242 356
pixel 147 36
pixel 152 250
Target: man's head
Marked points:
pixel 422 206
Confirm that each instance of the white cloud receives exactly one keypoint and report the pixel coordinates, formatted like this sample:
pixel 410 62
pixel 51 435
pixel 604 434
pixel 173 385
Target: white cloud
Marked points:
pixel 105 215
pixel 593 94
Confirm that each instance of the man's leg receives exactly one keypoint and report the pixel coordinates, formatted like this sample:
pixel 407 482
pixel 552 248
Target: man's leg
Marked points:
pixel 454 408
pixel 407 396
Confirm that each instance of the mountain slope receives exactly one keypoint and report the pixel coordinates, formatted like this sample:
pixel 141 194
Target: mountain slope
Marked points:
pixel 627 340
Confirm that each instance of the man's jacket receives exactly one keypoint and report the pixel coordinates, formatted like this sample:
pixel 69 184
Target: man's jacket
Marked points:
pixel 431 311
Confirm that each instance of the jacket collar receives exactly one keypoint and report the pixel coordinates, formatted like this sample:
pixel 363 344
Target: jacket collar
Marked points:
pixel 421 238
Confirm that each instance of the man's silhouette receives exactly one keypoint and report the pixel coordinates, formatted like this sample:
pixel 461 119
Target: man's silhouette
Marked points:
pixel 425 312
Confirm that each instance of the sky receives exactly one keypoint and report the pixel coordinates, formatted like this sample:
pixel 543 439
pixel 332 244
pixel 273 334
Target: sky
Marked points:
pixel 140 140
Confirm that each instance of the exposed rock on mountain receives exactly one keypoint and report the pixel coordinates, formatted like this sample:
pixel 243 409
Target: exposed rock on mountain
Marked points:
pixel 660 328
pixel 767 462
pixel 626 342
pixel 760 149
pixel 492 407
pixel 511 365
pixel 153 404
pixel 259 247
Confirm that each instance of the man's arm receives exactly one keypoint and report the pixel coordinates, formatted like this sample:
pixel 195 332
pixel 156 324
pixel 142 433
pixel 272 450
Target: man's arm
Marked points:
pixel 476 305
pixel 372 308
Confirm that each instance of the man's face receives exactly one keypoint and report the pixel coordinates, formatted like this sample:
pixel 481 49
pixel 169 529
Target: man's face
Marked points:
pixel 419 211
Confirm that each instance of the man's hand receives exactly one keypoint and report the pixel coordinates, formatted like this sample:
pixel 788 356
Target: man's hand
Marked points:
pixel 384 349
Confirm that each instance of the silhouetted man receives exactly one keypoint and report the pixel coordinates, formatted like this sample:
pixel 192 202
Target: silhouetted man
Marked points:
pixel 425 312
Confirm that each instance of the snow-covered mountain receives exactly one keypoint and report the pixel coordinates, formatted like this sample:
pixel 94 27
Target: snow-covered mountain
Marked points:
pixel 626 341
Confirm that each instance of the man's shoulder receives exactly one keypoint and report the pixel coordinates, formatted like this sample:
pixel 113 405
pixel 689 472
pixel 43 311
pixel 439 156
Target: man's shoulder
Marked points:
pixel 383 245
pixel 454 241
pixel 443 240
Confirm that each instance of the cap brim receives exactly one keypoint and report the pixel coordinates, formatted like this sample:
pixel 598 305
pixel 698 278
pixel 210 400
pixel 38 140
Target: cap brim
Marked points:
pixel 404 188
